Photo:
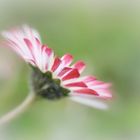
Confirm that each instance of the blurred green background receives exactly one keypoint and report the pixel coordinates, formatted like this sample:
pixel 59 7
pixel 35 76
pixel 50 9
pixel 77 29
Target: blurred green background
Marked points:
pixel 103 33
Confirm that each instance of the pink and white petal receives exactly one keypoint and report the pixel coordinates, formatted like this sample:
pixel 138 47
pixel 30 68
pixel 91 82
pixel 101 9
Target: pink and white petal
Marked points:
pixel 37 53
pixel 51 58
pixel 34 38
pixel 17 41
pixel 64 71
pixel 97 82
pixel 89 102
pixel 21 54
pixel 76 84
pixel 56 64
pixel 84 79
pixel 99 86
pixel 30 32
pixel 26 32
pixel 80 65
pixel 31 62
pixel 67 59
pixel 65 62
pixel 71 75
pixel 86 91
pixel 45 59
pixel 28 45
pixel 88 79
pixel 15 48
pixel 104 93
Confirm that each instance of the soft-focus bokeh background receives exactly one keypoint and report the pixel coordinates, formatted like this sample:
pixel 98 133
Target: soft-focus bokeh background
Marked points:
pixel 103 33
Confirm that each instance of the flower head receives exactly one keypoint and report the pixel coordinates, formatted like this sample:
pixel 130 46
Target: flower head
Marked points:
pixel 54 77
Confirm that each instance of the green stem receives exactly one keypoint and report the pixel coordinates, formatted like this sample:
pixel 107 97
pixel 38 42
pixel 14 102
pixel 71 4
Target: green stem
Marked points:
pixel 19 109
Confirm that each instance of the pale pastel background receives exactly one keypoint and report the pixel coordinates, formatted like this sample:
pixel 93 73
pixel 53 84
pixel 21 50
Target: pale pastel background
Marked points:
pixel 103 33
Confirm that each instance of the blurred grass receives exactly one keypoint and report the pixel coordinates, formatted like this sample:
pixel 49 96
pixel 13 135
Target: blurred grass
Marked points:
pixel 105 34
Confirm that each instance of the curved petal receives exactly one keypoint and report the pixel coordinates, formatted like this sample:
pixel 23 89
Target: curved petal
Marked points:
pixel 65 62
pixel 90 102
pixel 80 65
pixel 71 75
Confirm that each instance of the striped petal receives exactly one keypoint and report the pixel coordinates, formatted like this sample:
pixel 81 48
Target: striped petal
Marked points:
pixel 56 64
pixel 71 75
pixel 65 61
pixel 26 42
pixel 50 55
pixel 86 91
pixel 76 84
pixel 80 65
pixel 64 71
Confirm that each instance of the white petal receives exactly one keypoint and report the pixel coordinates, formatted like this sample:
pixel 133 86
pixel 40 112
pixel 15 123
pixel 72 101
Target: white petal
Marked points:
pixel 90 102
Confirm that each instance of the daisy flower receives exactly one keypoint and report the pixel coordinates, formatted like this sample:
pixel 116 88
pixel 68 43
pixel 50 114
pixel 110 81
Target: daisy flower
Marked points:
pixel 56 77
